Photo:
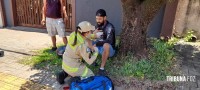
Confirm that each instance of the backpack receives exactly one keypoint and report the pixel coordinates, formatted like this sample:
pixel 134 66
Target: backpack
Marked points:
pixel 60 51
pixel 93 83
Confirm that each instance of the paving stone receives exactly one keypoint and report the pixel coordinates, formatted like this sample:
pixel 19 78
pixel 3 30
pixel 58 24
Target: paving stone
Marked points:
pixel 8 86
pixel 193 72
pixel 180 88
pixel 15 51
pixel 56 86
pixel 185 70
pixel 19 82
pixel 16 65
pixel 198 83
pixel 194 84
pixel 8 78
pixel 197 88
pixel 10 82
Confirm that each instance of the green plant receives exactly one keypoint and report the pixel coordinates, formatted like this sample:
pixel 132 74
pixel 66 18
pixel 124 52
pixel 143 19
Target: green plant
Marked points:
pixel 44 58
pixel 162 59
pixel 172 42
pixel 189 35
pixel 157 67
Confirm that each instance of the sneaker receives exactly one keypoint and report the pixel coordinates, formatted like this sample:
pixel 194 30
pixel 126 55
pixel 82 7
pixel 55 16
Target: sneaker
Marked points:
pixel 54 48
pixel 60 77
pixel 102 72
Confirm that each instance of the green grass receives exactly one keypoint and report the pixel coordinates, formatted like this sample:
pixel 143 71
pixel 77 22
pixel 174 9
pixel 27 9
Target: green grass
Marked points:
pixel 157 67
pixel 188 36
pixel 42 59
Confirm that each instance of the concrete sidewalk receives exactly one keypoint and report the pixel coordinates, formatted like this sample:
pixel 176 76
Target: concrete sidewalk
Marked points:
pixel 190 63
pixel 16 45
pixel 9 82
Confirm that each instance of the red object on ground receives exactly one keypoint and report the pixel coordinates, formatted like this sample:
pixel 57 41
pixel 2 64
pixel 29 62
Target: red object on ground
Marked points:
pixel 66 88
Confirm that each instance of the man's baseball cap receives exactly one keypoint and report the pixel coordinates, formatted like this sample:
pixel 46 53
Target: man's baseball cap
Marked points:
pixel 101 12
pixel 85 26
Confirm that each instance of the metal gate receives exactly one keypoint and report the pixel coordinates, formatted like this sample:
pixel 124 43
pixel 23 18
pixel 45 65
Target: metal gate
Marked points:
pixel 29 13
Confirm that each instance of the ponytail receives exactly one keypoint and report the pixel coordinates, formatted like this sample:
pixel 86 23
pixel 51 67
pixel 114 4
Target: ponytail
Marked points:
pixel 75 38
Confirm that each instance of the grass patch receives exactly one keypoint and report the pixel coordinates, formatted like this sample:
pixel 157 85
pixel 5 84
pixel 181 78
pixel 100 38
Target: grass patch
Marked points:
pixel 43 59
pixel 157 67
pixel 189 36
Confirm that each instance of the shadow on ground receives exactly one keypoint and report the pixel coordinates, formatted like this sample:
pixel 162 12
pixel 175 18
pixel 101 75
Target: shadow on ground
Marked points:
pixel 29 85
pixel 44 80
pixel 190 64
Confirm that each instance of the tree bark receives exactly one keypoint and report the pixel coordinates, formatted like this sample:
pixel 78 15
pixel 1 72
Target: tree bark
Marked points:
pixel 137 14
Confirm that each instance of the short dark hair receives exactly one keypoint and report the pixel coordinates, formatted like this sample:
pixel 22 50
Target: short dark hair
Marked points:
pixel 101 12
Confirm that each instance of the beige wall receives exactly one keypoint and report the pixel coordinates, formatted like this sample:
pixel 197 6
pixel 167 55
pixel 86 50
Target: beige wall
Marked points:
pixel 187 17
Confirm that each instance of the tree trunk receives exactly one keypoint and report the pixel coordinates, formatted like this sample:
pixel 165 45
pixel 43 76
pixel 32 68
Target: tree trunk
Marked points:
pixel 137 14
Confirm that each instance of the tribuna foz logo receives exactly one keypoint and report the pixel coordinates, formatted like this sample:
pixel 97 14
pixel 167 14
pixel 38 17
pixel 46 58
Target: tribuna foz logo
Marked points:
pixel 181 78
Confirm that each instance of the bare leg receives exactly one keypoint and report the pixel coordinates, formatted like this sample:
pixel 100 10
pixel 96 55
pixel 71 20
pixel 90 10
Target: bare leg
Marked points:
pixel 53 39
pixel 105 54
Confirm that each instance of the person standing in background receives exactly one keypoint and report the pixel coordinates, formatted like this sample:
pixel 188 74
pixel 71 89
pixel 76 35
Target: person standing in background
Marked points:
pixel 53 13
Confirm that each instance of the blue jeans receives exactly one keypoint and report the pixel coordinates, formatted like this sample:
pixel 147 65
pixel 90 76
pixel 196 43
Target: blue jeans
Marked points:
pixel 101 49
